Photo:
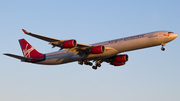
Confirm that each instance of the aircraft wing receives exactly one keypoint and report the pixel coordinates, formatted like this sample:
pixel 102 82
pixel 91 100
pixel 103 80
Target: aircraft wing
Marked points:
pixel 19 57
pixel 53 41
pixel 48 39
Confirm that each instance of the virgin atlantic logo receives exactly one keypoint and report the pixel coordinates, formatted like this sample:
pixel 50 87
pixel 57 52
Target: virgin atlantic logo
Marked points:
pixel 27 51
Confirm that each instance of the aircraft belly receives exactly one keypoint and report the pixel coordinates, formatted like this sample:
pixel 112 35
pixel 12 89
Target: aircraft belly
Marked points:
pixel 58 59
pixel 70 57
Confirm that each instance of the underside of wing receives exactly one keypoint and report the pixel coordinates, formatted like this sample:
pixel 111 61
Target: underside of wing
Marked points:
pixel 79 45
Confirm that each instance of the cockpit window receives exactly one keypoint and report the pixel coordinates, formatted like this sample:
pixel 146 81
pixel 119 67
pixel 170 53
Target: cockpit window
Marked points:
pixel 170 32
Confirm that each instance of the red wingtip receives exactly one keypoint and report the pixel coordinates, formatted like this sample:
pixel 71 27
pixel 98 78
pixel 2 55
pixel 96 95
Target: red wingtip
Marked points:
pixel 25 31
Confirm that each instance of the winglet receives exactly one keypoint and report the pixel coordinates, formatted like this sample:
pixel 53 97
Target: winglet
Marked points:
pixel 25 31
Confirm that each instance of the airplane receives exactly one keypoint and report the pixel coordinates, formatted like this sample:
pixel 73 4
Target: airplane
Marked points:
pixel 108 51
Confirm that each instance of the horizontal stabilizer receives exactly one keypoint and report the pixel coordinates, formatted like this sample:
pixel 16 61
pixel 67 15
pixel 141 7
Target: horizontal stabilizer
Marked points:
pixel 19 57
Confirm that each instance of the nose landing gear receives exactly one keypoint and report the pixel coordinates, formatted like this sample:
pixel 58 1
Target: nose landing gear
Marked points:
pixel 162 48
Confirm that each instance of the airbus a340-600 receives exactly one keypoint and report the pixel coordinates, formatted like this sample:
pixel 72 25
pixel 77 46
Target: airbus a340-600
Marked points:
pixel 108 51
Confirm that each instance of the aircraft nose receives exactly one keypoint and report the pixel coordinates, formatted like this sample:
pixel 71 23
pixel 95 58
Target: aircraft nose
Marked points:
pixel 175 35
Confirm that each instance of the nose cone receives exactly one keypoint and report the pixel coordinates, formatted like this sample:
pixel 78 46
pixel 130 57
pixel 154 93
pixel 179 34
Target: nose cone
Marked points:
pixel 174 35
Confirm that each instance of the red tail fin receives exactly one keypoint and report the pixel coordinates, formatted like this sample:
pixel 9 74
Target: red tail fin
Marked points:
pixel 29 50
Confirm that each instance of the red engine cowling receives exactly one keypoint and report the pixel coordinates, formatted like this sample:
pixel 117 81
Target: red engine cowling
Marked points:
pixel 121 58
pixel 97 49
pixel 118 63
pixel 69 43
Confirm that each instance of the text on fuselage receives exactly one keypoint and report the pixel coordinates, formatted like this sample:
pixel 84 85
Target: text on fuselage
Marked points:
pixel 126 39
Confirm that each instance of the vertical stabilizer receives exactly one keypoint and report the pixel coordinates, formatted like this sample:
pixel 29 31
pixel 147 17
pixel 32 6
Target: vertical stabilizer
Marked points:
pixel 29 51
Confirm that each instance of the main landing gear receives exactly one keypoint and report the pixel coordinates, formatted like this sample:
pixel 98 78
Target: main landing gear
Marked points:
pixel 162 48
pixel 86 62
pixel 97 65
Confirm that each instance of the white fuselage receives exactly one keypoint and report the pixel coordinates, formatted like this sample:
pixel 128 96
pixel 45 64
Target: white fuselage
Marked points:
pixel 112 47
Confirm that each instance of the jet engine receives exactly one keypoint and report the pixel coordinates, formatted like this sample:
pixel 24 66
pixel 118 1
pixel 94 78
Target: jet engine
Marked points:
pixel 69 43
pixel 117 63
pixel 97 49
pixel 119 60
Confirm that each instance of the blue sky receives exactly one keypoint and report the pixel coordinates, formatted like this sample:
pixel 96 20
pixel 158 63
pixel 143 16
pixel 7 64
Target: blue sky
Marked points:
pixel 150 74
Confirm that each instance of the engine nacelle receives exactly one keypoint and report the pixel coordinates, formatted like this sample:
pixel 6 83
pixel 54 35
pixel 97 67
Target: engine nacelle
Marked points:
pixel 69 43
pixel 117 63
pixel 97 49
pixel 121 58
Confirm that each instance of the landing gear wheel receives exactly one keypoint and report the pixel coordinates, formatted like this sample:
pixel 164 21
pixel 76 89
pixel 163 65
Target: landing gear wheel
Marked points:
pixel 80 62
pixel 90 64
pixel 163 49
pixel 94 67
pixel 86 63
pixel 98 65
